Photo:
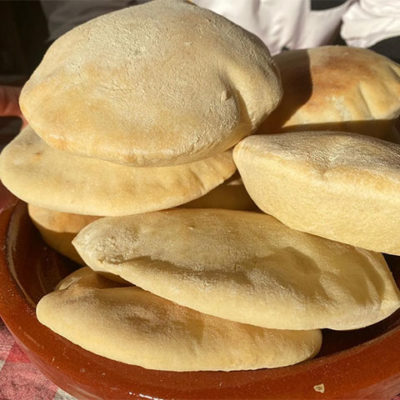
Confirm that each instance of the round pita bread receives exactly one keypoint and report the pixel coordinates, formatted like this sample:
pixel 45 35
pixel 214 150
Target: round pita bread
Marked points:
pixel 157 84
pixel 337 185
pixel 230 195
pixel 58 229
pixel 337 88
pixel 136 327
pixel 245 267
pixel 61 181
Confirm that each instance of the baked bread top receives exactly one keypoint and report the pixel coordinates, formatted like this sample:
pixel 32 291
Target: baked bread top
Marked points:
pixel 157 84
pixel 338 185
pixel 243 266
pixel 336 88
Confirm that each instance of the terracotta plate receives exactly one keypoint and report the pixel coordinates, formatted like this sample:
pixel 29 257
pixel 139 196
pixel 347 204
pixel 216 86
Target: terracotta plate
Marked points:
pixel 362 364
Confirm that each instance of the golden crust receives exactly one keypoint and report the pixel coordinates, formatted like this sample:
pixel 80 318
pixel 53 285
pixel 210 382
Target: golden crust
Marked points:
pixel 243 266
pixel 58 229
pixel 230 195
pixel 130 325
pixel 61 181
pixel 129 86
pixel 336 88
pixel 341 186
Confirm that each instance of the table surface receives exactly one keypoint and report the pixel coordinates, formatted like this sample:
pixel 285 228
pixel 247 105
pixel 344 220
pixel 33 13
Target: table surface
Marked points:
pixel 19 378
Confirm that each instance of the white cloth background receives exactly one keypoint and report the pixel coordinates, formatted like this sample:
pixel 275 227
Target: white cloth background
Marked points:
pixel 367 22
pixel 282 23
pixel 279 23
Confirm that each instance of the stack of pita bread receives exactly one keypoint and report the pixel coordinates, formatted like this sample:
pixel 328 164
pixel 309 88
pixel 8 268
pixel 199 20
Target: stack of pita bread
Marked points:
pixel 137 112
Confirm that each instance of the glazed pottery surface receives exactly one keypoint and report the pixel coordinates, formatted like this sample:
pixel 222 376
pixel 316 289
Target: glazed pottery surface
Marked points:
pixel 361 364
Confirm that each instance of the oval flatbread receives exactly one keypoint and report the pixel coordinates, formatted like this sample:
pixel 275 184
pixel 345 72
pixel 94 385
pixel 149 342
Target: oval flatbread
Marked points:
pixel 133 326
pixel 337 88
pixel 61 181
pixel 156 84
pixel 58 229
pixel 243 266
pixel 337 185
pixel 231 195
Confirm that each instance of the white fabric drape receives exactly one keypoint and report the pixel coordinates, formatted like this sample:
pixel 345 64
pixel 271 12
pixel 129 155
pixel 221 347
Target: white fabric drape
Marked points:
pixel 282 23
pixel 367 22
pixel 279 23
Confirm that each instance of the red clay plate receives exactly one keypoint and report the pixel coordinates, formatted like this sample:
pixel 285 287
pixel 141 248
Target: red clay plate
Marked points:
pixel 362 364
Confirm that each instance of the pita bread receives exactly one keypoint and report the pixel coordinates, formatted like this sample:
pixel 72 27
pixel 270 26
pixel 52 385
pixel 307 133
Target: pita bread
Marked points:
pixel 231 195
pixel 245 267
pixel 157 84
pixel 61 181
pixel 337 88
pixel 337 185
pixel 136 327
pixel 58 229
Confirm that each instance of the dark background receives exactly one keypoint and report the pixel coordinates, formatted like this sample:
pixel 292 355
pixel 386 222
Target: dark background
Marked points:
pixel 23 37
